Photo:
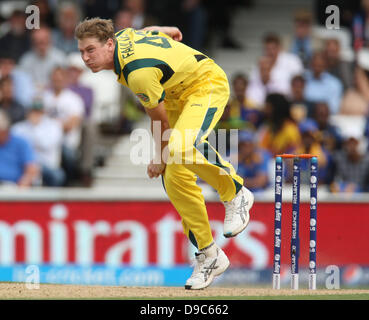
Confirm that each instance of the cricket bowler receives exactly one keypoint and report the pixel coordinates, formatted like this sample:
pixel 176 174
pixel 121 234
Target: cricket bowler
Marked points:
pixel 185 91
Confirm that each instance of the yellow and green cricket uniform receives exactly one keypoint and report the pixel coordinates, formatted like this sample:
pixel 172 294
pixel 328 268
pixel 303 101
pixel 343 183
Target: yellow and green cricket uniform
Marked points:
pixel 195 91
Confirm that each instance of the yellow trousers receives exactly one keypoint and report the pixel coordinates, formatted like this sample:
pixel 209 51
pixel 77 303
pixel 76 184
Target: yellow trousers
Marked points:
pixel 200 107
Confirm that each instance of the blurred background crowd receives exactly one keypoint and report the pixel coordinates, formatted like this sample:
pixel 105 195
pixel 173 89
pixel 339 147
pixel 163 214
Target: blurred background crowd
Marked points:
pixel 307 92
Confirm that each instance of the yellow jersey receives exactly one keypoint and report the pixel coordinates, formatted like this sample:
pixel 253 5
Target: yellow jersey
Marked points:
pixel 156 67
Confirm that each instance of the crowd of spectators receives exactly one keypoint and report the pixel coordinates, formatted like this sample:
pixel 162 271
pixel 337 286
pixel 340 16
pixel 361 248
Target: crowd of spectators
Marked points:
pixel 304 95
pixel 51 106
pixel 56 108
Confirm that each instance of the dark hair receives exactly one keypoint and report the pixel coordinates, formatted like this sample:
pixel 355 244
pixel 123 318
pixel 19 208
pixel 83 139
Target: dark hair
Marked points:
pixel 18 13
pixel 304 16
pixel 280 110
pixel 299 78
pixel 240 76
pixel 5 80
pixel 6 55
pixel 272 38
pixel 319 104
pixel 319 54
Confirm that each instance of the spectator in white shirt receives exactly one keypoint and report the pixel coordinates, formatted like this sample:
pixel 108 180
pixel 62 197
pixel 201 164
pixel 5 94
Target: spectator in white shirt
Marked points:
pixel 23 85
pixel 66 106
pixel 284 66
pixel 42 59
pixel 76 68
pixel 260 85
pixel 45 136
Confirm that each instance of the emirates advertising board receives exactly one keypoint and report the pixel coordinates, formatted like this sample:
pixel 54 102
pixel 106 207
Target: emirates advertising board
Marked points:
pixel 141 243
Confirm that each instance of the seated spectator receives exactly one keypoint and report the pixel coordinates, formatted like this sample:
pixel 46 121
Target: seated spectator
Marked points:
pixel 241 112
pixel 336 66
pixel 219 21
pixel 300 107
pixel 8 104
pixel 67 18
pixel 131 111
pixel 356 99
pixel 23 87
pixel 123 19
pixel 141 18
pixel 351 167
pixel 76 67
pixel 366 134
pixel 347 10
pixel 321 85
pixel 45 136
pixel 280 133
pixel 310 144
pixel 67 107
pixel 192 18
pixel 107 94
pixel 302 42
pixel 104 10
pixel 260 82
pixel 329 135
pixel 194 23
pixel 361 80
pixel 17 40
pixel 284 66
pixel 359 27
pixel 42 59
pixel 252 162
pixel 47 17
pixel 17 160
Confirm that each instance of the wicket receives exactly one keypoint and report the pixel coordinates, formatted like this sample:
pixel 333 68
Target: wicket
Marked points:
pixel 295 240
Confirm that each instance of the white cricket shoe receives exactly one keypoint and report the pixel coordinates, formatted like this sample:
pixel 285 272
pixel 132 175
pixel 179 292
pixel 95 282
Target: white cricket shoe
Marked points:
pixel 237 213
pixel 208 264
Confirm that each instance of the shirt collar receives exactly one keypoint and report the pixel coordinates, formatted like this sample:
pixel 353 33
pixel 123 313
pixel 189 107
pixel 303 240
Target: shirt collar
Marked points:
pixel 117 68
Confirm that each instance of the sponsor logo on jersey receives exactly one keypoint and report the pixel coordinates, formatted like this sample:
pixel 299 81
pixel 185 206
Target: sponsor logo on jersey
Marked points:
pixel 143 97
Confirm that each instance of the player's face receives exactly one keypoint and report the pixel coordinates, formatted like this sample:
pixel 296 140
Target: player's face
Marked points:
pixel 95 54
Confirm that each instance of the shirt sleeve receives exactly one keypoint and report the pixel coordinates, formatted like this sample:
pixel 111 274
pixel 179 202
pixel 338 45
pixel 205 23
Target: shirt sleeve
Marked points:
pixel 145 83
pixel 157 33
pixel 26 152
pixel 335 94
pixel 74 105
pixel 263 168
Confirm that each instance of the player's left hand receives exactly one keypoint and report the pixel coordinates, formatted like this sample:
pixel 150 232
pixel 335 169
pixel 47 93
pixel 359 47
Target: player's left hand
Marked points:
pixel 154 170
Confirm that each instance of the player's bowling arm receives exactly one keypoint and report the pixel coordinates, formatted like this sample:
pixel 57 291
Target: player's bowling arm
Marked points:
pixel 159 123
pixel 172 32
